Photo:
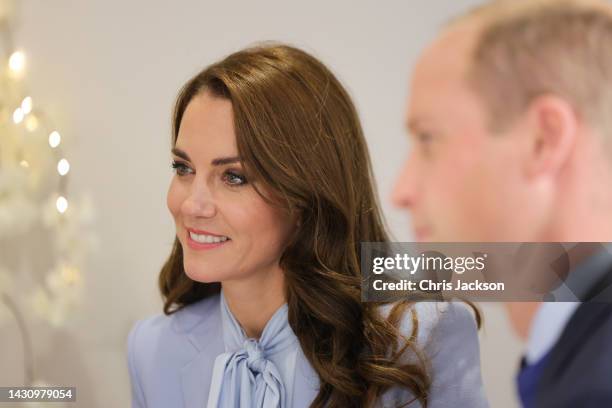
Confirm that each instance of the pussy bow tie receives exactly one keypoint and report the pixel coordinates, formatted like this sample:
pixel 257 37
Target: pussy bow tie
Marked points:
pixel 243 376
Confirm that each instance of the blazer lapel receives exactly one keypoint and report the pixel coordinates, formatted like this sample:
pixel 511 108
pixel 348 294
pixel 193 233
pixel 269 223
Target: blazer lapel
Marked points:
pixel 203 329
pixel 196 377
pixel 573 342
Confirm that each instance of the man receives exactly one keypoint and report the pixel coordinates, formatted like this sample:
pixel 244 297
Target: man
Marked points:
pixel 510 113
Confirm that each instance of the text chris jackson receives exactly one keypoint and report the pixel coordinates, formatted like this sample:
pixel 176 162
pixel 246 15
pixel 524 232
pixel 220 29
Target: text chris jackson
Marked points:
pixel 430 285
pixel 413 264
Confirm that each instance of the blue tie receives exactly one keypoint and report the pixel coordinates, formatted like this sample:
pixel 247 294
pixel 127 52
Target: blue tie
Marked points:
pixel 243 377
pixel 528 379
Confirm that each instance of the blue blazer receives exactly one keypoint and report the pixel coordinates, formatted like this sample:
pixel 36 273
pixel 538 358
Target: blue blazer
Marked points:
pixel 171 358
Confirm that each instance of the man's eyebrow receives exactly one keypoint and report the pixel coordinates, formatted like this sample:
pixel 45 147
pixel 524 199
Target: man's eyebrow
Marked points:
pixel 215 162
pixel 412 125
pixel 419 124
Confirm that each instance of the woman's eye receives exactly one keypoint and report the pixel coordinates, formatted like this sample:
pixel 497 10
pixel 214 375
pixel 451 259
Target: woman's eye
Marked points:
pixel 180 168
pixel 234 179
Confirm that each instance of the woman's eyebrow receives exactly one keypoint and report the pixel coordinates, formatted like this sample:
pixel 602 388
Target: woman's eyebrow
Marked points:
pixel 225 160
pixel 215 162
pixel 178 152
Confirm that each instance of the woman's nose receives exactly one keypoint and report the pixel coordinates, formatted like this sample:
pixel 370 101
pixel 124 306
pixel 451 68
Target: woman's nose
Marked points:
pixel 200 202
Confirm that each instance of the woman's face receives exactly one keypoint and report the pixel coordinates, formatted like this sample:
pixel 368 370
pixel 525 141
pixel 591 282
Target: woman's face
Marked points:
pixel 238 234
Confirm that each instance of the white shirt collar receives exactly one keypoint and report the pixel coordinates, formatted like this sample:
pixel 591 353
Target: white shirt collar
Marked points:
pixel 546 328
pixel 552 317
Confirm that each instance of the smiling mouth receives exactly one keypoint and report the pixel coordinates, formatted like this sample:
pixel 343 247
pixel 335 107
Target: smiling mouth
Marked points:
pixel 205 246
pixel 206 238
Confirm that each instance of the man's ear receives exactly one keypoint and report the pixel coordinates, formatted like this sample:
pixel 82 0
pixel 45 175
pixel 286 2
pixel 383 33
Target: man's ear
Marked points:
pixel 553 125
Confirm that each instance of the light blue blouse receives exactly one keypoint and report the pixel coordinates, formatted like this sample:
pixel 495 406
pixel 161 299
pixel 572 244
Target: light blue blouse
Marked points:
pixel 198 356
pixel 254 373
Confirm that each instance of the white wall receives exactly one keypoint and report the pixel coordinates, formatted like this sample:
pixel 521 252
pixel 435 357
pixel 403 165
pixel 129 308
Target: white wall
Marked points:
pixel 108 72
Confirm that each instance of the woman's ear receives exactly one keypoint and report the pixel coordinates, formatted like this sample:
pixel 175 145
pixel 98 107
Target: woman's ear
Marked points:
pixel 295 216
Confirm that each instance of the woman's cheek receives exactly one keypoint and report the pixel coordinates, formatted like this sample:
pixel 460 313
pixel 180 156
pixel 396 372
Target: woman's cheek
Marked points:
pixel 173 200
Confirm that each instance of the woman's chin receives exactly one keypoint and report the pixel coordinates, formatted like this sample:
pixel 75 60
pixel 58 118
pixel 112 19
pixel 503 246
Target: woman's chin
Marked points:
pixel 203 276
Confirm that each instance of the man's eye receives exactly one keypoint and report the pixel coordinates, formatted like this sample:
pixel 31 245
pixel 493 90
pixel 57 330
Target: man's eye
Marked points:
pixel 180 168
pixel 424 137
pixel 425 142
pixel 234 179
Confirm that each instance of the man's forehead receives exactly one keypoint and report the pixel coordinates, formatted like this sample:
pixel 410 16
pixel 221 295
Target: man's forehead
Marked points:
pixel 441 69
pixel 451 51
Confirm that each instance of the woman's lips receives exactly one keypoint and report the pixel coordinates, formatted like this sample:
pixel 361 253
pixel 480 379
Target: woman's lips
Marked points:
pixel 203 232
pixel 204 245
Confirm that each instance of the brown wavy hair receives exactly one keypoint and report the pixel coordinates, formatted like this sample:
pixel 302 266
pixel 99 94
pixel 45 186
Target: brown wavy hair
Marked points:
pixel 298 132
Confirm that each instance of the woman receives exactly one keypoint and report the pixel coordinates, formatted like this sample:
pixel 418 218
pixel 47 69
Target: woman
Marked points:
pixel 273 194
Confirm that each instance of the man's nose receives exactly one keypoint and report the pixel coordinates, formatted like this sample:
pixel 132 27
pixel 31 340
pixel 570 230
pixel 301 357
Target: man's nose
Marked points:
pixel 404 190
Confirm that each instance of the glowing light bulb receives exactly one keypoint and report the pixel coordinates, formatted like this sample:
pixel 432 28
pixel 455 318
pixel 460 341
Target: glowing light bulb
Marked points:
pixel 18 116
pixel 31 123
pixel 70 274
pixel 54 139
pixel 26 105
pixel 63 167
pixel 61 204
pixel 24 164
pixel 17 61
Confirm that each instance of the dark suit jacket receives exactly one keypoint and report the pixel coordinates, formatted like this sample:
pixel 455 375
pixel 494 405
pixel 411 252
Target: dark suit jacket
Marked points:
pixel 578 371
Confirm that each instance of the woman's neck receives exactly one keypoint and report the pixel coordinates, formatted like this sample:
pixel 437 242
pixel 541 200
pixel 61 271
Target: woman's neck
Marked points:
pixel 253 301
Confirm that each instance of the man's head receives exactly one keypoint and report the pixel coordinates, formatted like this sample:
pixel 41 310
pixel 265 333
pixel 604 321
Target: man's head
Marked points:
pixel 509 112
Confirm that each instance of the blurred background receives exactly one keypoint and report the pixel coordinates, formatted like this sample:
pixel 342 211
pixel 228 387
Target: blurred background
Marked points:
pixel 82 240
